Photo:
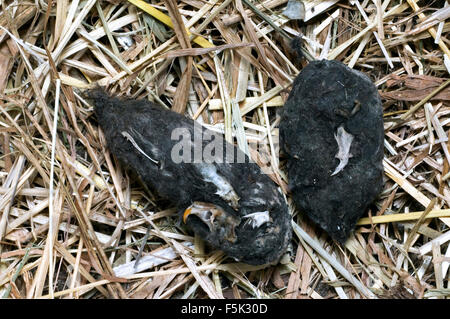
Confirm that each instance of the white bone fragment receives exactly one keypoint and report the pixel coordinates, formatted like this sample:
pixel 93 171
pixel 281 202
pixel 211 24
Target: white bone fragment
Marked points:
pixel 344 141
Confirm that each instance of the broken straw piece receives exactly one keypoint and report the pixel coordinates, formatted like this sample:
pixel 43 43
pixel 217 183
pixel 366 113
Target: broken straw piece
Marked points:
pixel 157 258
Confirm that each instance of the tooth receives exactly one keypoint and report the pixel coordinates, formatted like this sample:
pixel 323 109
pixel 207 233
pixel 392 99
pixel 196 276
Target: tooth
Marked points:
pixel 206 212
pixel 218 221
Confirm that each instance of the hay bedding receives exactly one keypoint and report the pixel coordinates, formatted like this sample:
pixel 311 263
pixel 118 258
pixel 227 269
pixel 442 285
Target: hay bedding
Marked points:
pixel 73 219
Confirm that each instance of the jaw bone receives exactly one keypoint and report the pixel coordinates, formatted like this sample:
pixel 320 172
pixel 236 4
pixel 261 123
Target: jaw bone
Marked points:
pixel 258 218
pixel 344 141
pixel 219 222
